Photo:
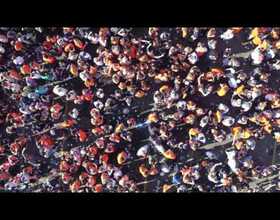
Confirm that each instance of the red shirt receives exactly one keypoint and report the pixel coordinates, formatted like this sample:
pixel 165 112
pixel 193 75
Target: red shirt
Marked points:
pixel 82 135
pixel 133 52
pixel 47 142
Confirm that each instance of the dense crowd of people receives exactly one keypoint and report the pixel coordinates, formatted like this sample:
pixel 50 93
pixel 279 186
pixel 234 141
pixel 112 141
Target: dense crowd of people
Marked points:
pixel 138 109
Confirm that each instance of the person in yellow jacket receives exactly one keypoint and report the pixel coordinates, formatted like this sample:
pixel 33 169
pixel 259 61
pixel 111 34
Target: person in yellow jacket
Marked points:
pixel 122 157
pixel 166 187
pixel 74 70
pixel 25 69
pixel 184 32
pixel 152 117
pixel 169 154
pixel 119 128
pixel 164 89
pixel 78 43
pixel 246 133
pixel 262 120
pixel 254 36
pixel 222 91
pixel 239 90
pixel 139 94
pixel 257 41
pixel 275 103
pixel 236 131
pixel 277 137
pixel 238 144
pixel 268 128
pixel 218 116
pixel 193 132
pixel 144 171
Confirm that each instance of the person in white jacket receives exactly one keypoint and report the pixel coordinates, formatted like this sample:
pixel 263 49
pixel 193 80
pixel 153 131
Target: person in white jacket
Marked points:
pixel 60 91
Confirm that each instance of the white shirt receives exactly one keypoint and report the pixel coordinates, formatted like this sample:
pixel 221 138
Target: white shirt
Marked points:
pixel 98 61
pixel 116 49
pixel 18 60
pixel 251 143
pixel 102 42
pixel 72 56
pixel 59 91
pixel 98 104
pixel 276 114
pixel 231 160
pixel 165 168
pixel 173 95
pixel 15 87
pixel 201 138
pixel 243 120
pixel 100 93
pixel 74 113
pixel 3 39
pixel 84 76
pixel 159 148
pixel 227 35
pixel 142 151
pixel 257 56
pixel 246 106
pixel 212 44
pixel 222 107
pixel 236 102
pixel 193 58
pixel 122 32
pixel 271 53
pixel 228 121
pixel 201 49
pixel 203 121
pixel 94 39
pixel 181 104
pixel 2 49
pixel 85 55
pixel 117 174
